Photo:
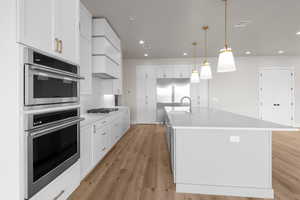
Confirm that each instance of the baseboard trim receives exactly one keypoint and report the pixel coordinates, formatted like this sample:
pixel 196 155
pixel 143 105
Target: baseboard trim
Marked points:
pixel 226 191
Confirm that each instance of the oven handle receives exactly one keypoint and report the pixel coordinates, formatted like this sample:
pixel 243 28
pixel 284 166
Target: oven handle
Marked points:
pixel 51 70
pixel 35 133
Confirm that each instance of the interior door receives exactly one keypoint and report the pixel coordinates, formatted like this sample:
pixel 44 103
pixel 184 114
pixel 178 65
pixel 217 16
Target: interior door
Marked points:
pixel 276 96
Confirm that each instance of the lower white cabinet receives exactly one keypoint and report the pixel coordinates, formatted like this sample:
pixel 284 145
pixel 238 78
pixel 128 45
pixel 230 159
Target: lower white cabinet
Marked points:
pixel 98 138
pixel 101 143
pixel 86 134
pixel 62 187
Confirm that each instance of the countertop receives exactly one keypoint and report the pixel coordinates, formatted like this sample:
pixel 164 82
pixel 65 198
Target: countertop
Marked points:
pixel 91 118
pixel 208 118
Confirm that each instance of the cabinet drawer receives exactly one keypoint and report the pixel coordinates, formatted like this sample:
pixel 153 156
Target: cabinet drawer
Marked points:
pixel 101 46
pixel 105 66
pixel 102 28
pixel 62 187
pixel 102 123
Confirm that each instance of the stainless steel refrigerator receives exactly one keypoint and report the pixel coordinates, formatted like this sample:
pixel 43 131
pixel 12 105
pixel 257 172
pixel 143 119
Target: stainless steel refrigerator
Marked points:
pixel 169 92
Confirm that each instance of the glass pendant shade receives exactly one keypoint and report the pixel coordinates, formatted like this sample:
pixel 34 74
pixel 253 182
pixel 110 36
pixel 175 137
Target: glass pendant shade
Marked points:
pixel 195 77
pixel 226 61
pixel 205 71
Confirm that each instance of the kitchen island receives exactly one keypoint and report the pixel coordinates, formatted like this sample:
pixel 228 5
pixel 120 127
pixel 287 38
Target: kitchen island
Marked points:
pixel 220 153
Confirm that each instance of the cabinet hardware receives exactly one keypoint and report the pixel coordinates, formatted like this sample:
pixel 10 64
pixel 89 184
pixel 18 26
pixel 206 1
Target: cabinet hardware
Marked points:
pixel 103 122
pixel 59 195
pixel 104 149
pixel 60 46
pixel 94 128
pixel 104 133
pixel 56 45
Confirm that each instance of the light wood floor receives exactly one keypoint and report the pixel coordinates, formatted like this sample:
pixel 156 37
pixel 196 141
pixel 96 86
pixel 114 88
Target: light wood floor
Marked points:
pixel 138 168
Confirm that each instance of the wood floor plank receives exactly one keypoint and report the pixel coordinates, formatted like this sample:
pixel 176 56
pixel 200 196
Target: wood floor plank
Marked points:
pixel 138 168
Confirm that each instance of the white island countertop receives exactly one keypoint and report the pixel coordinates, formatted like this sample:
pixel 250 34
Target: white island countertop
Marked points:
pixel 208 118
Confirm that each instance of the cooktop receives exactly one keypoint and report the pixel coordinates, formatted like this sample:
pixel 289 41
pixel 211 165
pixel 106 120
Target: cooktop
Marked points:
pixel 103 110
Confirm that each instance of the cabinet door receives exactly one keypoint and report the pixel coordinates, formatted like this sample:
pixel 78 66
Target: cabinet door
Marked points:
pixel 165 72
pixel 199 94
pixel 66 29
pixel 85 66
pixel 35 23
pixel 100 146
pixel 86 151
pixel 182 71
pixel 85 23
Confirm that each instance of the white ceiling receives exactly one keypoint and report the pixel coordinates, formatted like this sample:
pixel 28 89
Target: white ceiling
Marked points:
pixel 170 26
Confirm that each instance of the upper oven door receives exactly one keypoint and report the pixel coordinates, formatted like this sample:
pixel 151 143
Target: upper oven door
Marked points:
pixel 46 86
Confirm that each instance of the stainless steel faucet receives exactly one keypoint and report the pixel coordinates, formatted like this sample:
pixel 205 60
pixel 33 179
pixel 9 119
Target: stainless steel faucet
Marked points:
pixel 190 101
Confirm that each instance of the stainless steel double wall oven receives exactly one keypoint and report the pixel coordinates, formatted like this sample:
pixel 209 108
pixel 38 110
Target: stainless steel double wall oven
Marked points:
pixel 52 135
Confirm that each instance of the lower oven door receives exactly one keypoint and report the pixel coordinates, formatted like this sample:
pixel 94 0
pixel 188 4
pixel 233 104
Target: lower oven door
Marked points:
pixel 49 153
pixel 45 87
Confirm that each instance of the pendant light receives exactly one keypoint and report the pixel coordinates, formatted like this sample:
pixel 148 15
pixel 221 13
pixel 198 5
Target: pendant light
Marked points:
pixel 205 68
pixel 195 74
pixel 226 59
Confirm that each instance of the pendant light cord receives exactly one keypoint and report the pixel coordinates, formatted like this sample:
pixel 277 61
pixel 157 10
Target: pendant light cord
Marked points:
pixel 195 45
pixel 205 52
pixel 226 40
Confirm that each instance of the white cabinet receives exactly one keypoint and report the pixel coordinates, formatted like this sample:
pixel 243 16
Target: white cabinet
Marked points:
pixel 101 143
pixel 102 46
pixel 67 28
pixel 104 67
pixel 173 71
pixel 146 94
pixel 85 50
pixel 35 24
pixel 182 71
pixel 98 138
pixel 51 27
pixel 86 134
pixel 101 28
pixel 163 71
pixel 199 93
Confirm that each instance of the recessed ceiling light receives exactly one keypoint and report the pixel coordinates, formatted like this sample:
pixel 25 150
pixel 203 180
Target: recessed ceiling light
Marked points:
pixel 248 52
pixel 146 55
pixel 298 33
pixel 185 54
pixel 280 52
pixel 142 42
pixel 131 18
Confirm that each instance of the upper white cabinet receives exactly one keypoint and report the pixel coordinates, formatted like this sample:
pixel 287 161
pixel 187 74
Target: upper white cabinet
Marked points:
pixel 35 24
pixel 51 26
pixel 164 71
pixel 173 71
pixel 101 28
pixel 85 50
pixel 182 71
pixel 102 46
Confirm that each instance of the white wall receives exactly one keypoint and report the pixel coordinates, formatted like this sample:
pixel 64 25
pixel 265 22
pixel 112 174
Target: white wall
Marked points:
pixel 235 92
pixel 10 159
pixel 97 98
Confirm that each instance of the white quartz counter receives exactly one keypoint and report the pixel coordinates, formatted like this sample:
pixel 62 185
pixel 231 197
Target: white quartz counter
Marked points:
pixel 90 118
pixel 207 118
